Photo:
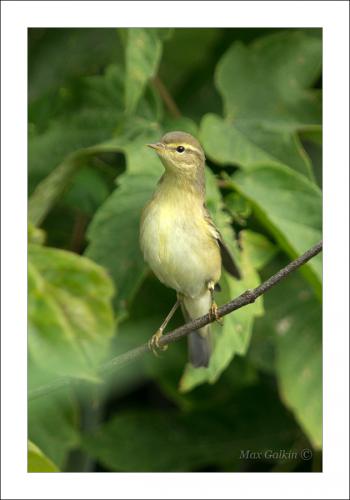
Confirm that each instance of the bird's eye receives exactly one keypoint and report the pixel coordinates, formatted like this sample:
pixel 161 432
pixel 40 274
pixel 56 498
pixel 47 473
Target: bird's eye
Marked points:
pixel 180 149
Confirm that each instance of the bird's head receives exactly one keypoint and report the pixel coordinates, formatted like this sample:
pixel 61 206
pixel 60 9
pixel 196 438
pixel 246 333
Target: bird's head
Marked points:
pixel 180 153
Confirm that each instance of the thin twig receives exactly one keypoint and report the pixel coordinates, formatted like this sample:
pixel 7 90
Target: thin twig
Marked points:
pixel 246 298
pixel 78 233
pixel 166 97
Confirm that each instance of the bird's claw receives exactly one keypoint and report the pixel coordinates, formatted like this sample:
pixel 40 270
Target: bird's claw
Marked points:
pixel 214 315
pixel 153 343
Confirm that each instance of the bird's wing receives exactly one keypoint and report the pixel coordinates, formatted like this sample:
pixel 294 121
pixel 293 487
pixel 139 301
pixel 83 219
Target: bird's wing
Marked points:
pixel 226 257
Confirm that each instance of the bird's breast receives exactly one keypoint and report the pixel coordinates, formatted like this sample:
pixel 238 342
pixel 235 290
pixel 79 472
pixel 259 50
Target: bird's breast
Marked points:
pixel 178 246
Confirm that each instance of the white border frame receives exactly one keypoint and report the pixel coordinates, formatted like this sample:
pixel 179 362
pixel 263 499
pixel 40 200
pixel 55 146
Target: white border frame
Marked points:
pixel 333 17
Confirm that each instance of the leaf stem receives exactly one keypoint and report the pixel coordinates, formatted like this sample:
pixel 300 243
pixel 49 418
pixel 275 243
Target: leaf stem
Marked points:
pixel 166 97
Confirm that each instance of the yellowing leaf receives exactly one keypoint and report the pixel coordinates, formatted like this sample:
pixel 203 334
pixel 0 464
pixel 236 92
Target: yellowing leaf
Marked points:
pixel 37 461
pixel 69 312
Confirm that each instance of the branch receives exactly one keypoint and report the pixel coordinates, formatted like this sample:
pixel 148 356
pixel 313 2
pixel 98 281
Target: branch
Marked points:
pixel 248 297
pixel 166 97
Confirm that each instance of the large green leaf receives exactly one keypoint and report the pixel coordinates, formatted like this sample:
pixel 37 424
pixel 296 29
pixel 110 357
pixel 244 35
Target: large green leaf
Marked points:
pixel 269 80
pixel 293 329
pixel 166 441
pixel 291 209
pixel 53 425
pixel 37 461
pixel 265 89
pixel 69 312
pixel 142 53
pixel 250 144
pixel 114 234
pixel 299 364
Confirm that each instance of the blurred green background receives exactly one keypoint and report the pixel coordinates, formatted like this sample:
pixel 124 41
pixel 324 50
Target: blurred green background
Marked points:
pixel 96 97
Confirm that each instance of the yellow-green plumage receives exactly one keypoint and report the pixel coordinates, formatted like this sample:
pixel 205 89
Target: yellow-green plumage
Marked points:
pixel 178 239
pixel 178 242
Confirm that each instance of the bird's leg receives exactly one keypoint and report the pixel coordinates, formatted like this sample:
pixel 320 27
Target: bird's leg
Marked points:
pixel 213 311
pixel 153 343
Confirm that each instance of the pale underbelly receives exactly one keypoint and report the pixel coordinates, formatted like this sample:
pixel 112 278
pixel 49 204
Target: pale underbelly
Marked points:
pixel 182 256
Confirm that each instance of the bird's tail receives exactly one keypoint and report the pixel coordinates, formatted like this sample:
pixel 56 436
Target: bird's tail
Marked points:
pixel 199 342
pixel 199 349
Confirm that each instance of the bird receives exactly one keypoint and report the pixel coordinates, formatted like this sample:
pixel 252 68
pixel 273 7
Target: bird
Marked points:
pixel 180 241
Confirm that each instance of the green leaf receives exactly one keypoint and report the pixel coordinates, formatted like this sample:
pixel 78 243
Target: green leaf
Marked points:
pixel 238 207
pixel 269 80
pixel 312 143
pixel 291 209
pixel 293 326
pixel 52 187
pixel 259 249
pixel 249 145
pixel 50 190
pixel 266 95
pixel 143 52
pixel 35 235
pixel 312 134
pixel 37 461
pixel 69 312
pixel 299 365
pixel 114 234
pixel 88 191
pixel 181 123
pixel 53 425
pixel 166 441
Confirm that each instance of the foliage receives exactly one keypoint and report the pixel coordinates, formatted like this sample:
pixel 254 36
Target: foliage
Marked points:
pixel 37 461
pixel 70 318
pixel 96 97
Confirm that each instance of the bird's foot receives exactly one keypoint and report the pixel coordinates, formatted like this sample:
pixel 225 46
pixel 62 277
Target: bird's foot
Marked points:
pixel 214 315
pixel 153 343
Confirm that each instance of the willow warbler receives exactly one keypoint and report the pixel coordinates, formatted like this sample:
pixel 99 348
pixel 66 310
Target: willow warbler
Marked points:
pixel 179 240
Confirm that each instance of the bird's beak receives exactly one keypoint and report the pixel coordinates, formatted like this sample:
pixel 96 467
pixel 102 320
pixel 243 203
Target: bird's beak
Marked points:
pixel 157 146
